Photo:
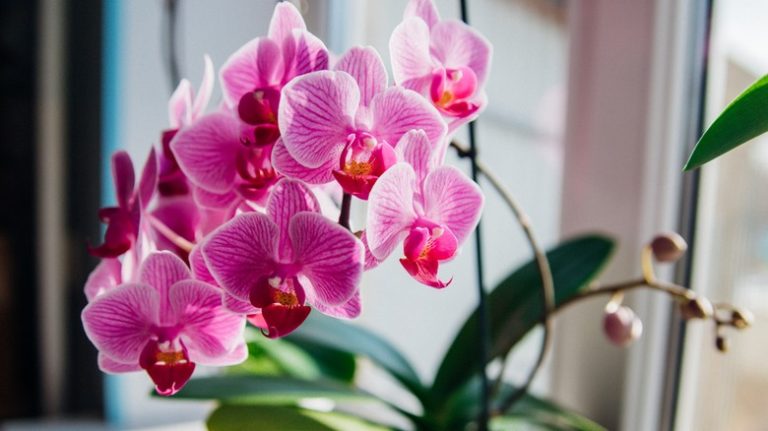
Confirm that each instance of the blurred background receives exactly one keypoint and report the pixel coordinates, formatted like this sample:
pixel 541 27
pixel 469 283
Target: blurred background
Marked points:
pixel 593 107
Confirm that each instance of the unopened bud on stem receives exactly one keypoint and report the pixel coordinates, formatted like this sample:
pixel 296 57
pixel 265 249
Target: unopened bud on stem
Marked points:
pixel 668 247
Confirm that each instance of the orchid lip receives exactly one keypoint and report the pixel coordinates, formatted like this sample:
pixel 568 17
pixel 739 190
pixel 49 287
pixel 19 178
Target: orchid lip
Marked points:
pixel 451 91
pixel 362 161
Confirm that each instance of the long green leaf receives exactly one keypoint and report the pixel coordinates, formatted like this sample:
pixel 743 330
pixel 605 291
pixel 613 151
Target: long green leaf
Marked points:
pixel 270 418
pixel 254 389
pixel 515 308
pixel 744 118
pixel 265 418
pixel 334 333
pixel 464 407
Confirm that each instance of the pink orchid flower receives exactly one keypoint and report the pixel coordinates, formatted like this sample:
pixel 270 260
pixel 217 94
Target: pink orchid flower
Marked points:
pixel 123 221
pixel 166 323
pixel 184 108
pixel 253 76
pixel 432 210
pixel 287 258
pixel 445 60
pixel 344 124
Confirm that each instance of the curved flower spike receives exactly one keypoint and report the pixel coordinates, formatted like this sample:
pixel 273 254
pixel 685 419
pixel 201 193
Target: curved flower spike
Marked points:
pixel 345 124
pixel 446 61
pixel 287 260
pixel 165 324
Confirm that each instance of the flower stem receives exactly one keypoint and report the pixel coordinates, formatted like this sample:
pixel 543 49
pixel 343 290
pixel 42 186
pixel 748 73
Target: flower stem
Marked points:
pixel 346 203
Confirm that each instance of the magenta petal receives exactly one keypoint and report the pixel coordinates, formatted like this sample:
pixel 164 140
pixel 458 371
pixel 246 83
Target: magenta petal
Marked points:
pixel 424 9
pixel 288 198
pixel 348 310
pixel 409 49
pixel 288 166
pixel 315 115
pixel 309 54
pixel 241 252
pixel 199 268
pixel 415 149
pixel 111 366
pixel 457 45
pixel 161 270
pixel 103 278
pixel 148 180
pixel 238 306
pixel 365 65
pixel 207 151
pixel 397 111
pixel 285 19
pixel 180 215
pixel 203 95
pixel 370 260
pixel 124 178
pixel 331 258
pixel 390 210
pixel 454 200
pixel 210 330
pixel 214 201
pixel 256 64
pixel 180 105
pixel 280 320
pixel 118 322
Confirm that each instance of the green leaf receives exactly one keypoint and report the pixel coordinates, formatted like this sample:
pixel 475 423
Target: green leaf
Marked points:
pixel 331 363
pixel 270 418
pixel 515 308
pixel 464 407
pixel 253 389
pixel 248 418
pixel 336 334
pixel 744 118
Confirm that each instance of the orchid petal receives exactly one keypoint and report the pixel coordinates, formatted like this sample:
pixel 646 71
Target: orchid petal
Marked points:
pixel 288 198
pixel 148 180
pixel 415 149
pixel 424 9
pixel 397 110
pixel 307 54
pixel 103 278
pixel 209 328
pixel 199 268
pixel 118 322
pixel 237 305
pixel 162 270
pixel 288 166
pixel 203 95
pixel 331 258
pixel 124 178
pixel 409 49
pixel 285 19
pixel 111 366
pixel 454 200
pixel 348 310
pixel 370 260
pixel 207 151
pixel 456 45
pixel 180 215
pixel 180 105
pixel 241 252
pixel 315 115
pixel 365 65
pixel 390 210
pixel 235 356
pixel 214 201
pixel 256 64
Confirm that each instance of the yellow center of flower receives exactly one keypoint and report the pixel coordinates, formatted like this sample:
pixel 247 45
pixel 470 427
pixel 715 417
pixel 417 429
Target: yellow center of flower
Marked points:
pixel 358 168
pixel 170 358
pixel 285 298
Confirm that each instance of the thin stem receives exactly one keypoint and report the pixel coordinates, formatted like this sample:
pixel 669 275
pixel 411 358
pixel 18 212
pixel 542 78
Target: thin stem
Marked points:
pixel 547 284
pixel 178 240
pixel 346 203
pixel 171 9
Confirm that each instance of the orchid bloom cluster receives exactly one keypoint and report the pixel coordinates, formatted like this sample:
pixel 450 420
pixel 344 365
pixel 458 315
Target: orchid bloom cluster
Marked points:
pixel 233 217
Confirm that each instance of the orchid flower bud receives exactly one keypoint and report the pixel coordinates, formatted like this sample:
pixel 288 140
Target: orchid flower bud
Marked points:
pixel 741 319
pixel 696 308
pixel 621 325
pixel 668 247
